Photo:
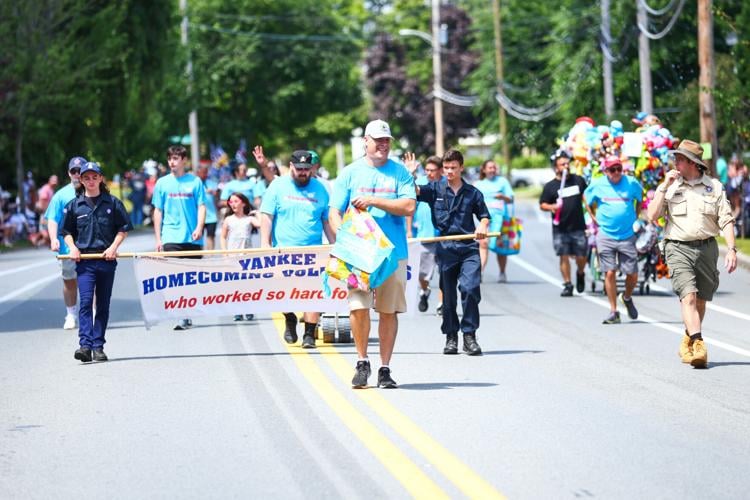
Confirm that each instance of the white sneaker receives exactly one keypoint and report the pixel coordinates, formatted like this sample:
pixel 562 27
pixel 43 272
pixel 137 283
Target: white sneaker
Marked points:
pixel 70 322
pixel 502 278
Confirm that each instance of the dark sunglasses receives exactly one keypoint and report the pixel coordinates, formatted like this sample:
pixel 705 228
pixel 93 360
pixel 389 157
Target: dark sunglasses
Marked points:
pixel 75 170
pixel 614 170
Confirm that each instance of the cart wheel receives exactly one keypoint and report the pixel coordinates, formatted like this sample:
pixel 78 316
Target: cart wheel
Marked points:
pixel 328 328
pixel 648 289
pixel 345 330
pixel 593 286
pixel 640 288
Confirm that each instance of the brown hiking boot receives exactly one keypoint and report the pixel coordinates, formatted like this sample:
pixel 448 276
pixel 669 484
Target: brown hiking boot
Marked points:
pixel 686 349
pixel 700 356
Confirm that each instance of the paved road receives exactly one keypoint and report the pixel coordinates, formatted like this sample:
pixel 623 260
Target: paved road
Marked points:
pixel 560 406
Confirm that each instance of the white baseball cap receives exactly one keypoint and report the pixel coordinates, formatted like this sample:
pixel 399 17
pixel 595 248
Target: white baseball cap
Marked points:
pixel 378 129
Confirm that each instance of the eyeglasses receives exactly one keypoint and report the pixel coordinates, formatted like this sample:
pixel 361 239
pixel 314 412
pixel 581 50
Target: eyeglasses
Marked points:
pixel 75 171
pixel 614 170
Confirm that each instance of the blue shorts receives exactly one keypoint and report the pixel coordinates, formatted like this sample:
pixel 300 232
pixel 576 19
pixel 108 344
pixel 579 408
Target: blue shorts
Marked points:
pixel 570 243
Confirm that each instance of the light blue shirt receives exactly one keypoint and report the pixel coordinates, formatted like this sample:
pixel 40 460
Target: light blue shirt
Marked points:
pixel 490 189
pixel 422 222
pixel 298 212
pixel 55 212
pixel 391 181
pixel 259 190
pixel 615 211
pixel 178 198
pixel 213 185
pixel 245 187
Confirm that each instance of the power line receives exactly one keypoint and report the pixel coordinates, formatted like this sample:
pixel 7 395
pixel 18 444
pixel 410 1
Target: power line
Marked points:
pixel 670 25
pixel 657 12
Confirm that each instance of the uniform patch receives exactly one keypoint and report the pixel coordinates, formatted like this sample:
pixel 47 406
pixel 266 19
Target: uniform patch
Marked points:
pixel 709 189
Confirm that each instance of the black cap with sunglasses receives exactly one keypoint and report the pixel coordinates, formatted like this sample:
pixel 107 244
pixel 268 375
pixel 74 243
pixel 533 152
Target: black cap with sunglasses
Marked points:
pixel 76 163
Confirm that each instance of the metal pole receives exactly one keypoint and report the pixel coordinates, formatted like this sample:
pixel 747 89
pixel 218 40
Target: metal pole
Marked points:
pixel 644 60
pixel 706 79
pixel 500 78
pixel 437 78
pixel 193 117
pixel 609 95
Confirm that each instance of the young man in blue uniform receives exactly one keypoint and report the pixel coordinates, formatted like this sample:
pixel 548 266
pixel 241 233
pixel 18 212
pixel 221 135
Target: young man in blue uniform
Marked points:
pixel 386 189
pixel 179 202
pixel 454 205
pixel 54 218
pixel 294 213
pixel 95 222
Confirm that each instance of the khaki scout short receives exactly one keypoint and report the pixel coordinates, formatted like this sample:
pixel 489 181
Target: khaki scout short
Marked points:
pixel 693 268
pixel 68 269
pixel 390 297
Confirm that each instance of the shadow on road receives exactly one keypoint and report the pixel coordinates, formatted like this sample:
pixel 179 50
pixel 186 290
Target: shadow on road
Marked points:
pixel 711 364
pixel 436 386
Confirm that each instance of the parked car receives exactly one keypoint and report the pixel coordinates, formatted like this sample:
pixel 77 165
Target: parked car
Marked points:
pixel 525 177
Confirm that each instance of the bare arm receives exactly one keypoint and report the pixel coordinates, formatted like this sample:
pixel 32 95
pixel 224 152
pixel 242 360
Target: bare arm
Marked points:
pixel 111 252
pixel 591 211
pixel 157 229
pixel 198 233
pixel 54 243
pixel 399 206
pixel 334 219
pixel 224 234
pixel 266 225
pixel 329 232
pixel 481 232
pixel 730 259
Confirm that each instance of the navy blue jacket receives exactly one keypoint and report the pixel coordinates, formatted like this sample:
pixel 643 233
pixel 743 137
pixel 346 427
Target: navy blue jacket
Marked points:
pixel 453 213
pixel 94 229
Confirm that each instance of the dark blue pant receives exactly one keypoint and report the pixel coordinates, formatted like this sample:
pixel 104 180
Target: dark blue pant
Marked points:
pixel 460 268
pixel 99 275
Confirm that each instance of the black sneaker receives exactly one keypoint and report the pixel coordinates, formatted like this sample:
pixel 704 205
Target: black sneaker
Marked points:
pixel 83 354
pixel 238 317
pixel 612 319
pixel 290 334
pixel 451 344
pixel 361 374
pixel 630 306
pixel 249 317
pixel 567 290
pixel 384 379
pixel 183 325
pixel 99 355
pixel 580 282
pixel 308 342
pixel 439 310
pixel 423 296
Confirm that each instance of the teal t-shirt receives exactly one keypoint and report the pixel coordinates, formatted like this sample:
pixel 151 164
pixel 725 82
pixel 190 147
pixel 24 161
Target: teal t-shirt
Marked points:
pixel 422 222
pixel 244 186
pixel 491 188
pixel 211 215
pixel 298 212
pixel 615 211
pixel 55 212
pixel 390 181
pixel 178 198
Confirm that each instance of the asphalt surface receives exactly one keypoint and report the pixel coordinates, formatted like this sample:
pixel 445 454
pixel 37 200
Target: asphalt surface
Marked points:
pixel 559 406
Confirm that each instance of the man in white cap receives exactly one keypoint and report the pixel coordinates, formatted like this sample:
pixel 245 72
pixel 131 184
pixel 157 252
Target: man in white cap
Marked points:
pixel 54 217
pixel 696 209
pixel 385 188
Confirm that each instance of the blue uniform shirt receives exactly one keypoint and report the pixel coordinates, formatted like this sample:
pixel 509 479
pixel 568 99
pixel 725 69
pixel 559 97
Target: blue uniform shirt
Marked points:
pixel 453 213
pixel 94 228
pixel 391 181
pixel 55 212
pixel 298 212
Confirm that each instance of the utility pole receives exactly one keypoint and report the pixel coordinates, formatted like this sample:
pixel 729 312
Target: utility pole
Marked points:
pixel 437 78
pixel 644 60
pixel 500 79
pixel 195 156
pixel 706 79
pixel 609 94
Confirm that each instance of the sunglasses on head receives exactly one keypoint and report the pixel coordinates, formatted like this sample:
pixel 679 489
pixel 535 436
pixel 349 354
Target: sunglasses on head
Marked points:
pixel 615 169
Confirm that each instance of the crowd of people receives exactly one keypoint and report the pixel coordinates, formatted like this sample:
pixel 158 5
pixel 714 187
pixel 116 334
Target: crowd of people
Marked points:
pixel 432 201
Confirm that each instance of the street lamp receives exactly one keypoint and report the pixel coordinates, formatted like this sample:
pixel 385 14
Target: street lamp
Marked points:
pixel 438 33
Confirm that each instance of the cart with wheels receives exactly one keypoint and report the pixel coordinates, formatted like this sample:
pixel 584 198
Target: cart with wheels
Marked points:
pixel 333 326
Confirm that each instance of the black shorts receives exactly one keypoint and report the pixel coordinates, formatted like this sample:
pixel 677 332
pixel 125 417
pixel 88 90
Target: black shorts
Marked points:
pixel 570 243
pixel 183 247
pixel 210 228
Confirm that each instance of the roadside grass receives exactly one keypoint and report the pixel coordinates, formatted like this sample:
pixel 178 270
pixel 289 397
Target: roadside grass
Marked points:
pixel 528 192
pixel 742 245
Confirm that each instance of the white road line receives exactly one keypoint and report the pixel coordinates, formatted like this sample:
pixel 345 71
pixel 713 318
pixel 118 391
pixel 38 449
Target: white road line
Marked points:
pixel 556 282
pixel 28 287
pixel 27 267
pixel 713 307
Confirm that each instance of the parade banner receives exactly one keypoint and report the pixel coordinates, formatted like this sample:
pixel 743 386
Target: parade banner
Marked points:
pixel 264 281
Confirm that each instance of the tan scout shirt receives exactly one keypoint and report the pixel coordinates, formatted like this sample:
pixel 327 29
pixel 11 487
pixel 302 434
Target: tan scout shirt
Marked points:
pixel 697 210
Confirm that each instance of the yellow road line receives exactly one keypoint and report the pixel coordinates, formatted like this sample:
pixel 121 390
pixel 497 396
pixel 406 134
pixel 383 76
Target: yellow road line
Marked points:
pixel 416 482
pixel 461 475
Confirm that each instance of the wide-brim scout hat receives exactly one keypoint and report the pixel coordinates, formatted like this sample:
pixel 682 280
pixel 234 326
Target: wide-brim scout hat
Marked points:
pixel 690 150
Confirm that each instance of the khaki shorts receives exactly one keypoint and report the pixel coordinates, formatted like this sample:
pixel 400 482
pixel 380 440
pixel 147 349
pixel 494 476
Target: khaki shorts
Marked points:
pixel 390 297
pixel 68 269
pixel 693 269
pixel 427 261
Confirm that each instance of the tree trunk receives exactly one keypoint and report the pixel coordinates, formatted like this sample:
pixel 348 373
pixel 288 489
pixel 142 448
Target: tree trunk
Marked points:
pixel 19 164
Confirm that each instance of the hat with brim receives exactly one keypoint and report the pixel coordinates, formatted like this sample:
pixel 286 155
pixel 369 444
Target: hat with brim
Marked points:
pixel 692 151
pixel 91 166
pixel 301 159
pixel 76 162
pixel 378 129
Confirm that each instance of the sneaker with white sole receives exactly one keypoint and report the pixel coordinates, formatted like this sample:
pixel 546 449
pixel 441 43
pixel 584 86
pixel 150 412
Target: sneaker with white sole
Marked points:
pixel 630 306
pixel 612 319
pixel 70 322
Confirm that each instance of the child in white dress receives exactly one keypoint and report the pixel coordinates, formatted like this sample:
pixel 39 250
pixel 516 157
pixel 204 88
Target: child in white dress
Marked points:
pixel 237 228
